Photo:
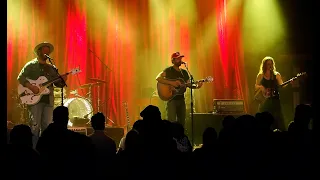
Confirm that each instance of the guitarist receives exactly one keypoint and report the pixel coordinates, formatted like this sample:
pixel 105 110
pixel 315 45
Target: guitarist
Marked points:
pixel 176 107
pixel 268 81
pixel 40 113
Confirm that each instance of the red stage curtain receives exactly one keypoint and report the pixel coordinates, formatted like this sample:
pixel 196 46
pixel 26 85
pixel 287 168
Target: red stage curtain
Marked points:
pixel 121 43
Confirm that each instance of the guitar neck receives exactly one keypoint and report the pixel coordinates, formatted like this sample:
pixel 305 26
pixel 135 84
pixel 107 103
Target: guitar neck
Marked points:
pixel 287 82
pixel 201 80
pixel 48 83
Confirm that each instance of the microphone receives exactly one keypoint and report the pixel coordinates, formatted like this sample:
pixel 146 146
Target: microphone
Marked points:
pixel 182 62
pixel 46 55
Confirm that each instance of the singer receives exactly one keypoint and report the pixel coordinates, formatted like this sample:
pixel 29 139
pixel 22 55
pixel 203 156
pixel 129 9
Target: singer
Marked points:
pixel 40 113
pixel 268 81
pixel 176 108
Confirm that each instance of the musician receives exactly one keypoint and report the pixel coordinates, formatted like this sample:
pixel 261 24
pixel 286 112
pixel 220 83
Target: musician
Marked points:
pixel 40 113
pixel 176 107
pixel 268 81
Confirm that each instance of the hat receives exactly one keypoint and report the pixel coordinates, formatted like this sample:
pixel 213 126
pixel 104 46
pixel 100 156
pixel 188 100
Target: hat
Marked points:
pixel 43 44
pixel 176 55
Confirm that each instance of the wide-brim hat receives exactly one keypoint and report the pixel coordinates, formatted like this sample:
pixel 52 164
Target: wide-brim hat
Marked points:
pixel 42 45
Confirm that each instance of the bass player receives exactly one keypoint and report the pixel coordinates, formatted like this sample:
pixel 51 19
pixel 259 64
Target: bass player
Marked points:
pixel 41 112
pixel 268 82
pixel 176 107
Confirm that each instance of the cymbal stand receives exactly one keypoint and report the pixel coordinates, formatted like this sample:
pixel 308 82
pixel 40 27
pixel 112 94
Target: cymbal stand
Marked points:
pixel 98 98
pixel 89 94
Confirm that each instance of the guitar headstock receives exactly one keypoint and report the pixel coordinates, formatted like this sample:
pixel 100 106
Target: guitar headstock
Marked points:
pixel 75 71
pixel 208 79
pixel 301 74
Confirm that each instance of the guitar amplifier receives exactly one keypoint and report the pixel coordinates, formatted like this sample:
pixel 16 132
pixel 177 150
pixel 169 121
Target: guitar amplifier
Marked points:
pixel 228 106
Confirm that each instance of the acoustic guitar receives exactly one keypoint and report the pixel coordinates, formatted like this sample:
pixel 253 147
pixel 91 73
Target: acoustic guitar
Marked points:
pixel 261 97
pixel 167 92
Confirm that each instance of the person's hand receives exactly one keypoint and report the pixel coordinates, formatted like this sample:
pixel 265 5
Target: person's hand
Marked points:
pixel 199 84
pixel 176 83
pixel 34 89
pixel 64 77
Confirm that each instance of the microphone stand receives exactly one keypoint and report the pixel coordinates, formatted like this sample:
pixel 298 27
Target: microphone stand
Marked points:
pixel 99 59
pixel 54 67
pixel 191 103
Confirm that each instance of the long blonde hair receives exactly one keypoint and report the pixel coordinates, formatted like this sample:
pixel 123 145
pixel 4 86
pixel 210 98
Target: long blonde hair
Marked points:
pixel 263 65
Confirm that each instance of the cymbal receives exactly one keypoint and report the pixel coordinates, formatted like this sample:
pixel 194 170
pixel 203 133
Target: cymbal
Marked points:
pixel 89 85
pixel 86 85
pixel 74 91
pixel 98 80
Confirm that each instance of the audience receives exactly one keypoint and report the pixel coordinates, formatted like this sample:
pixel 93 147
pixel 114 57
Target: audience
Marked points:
pixel 246 148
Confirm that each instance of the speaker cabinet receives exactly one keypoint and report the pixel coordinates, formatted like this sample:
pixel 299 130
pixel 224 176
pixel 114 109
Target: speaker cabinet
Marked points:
pixel 203 120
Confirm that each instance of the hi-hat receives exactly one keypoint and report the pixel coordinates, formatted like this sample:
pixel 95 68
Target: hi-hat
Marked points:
pixel 98 80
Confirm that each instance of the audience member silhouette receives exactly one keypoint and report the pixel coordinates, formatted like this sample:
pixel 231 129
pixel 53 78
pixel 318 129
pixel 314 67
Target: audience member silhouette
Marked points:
pixel 137 126
pixel 206 157
pixel 65 153
pixel 105 147
pixel 21 158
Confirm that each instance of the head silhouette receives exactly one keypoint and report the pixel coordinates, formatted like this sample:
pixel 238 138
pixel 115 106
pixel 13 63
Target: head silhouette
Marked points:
pixel 303 115
pixel 61 116
pixel 21 135
pixel 265 119
pixel 98 121
pixel 209 136
pixel 151 112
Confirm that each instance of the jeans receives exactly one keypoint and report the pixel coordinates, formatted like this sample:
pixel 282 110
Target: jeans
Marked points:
pixel 40 118
pixel 176 111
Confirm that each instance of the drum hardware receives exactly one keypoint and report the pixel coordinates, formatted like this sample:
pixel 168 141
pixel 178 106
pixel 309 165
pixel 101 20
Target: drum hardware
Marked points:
pixel 24 115
pixel 99 81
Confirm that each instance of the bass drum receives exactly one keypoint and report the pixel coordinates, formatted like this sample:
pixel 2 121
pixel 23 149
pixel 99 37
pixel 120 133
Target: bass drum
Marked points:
pixel 80 111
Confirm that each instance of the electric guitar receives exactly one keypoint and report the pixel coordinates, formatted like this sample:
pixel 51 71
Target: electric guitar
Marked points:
pixel 261 97
pixel 167 92
pixel 29 98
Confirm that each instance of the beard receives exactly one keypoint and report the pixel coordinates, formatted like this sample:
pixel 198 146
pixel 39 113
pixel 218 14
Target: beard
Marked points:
pixel 43 57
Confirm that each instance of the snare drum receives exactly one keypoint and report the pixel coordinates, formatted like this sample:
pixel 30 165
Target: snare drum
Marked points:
pixel 78 109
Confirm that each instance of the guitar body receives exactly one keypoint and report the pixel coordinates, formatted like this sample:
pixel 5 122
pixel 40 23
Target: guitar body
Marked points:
pixel 260 97
pixel 167 92
pixel 27 96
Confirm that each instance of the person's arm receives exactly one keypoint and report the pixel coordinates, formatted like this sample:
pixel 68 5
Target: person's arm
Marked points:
pixel 258 80
pixel 162 79
pixel 22 78
pixel 279 79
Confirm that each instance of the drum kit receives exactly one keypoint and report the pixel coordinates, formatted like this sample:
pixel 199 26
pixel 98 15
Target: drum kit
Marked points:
pixel 80 107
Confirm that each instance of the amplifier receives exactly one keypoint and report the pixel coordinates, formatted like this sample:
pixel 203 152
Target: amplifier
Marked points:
pixel 227 106
pixel 81 130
